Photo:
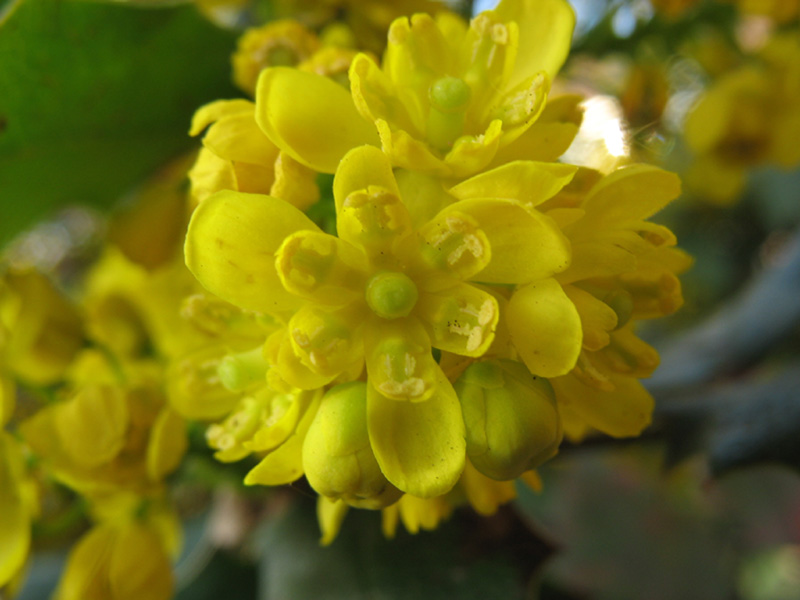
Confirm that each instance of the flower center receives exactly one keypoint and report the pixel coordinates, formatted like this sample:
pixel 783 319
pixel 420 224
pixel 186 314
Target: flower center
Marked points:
pixel 449 98
pixel 391 295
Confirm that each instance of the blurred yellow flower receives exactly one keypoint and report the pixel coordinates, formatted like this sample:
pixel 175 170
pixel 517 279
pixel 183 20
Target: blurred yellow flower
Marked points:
pixel 278 43
pixel 17 508
pixel 748 118
pixel 117 561
pixel 43 329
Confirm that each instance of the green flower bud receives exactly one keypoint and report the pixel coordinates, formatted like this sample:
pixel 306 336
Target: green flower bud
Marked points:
pixel 511 418
pixel 337 457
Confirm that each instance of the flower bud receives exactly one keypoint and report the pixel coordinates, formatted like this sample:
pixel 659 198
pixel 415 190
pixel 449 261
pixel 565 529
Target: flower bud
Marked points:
pixel 337 456
pixel 511 419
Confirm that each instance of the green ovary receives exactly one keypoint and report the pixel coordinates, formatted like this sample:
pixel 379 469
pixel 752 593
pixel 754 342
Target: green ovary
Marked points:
pixel 391 295
pixel 449 98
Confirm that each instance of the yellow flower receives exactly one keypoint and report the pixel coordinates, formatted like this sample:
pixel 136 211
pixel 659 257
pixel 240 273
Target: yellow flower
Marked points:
pixel 623 269
pixel 236 155
pixel 43 328
pixel 366 20
pixel 279 43
pixel 391 287
pixel 107 435
pixel 747 118
pixel 117 561
pixel 260 422
pixel 447 98
pixel 16 510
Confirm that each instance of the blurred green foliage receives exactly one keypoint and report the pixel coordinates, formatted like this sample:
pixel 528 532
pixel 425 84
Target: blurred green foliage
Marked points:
pixel 94 97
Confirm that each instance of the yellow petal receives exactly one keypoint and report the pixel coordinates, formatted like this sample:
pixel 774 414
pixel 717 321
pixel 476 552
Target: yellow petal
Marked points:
pixel 399 360
pixel 410 153
pixel 327 342
pixel 375 96
pixel 92 426
pixel 485 495
pixel 194 389
pixel 528 182
pixel 214 111
pixel 628 355
pixel 709 120
pixel 625 411
pixel 423 195
pixel 423 513
pixel 715 180
pixel 461 319
pixel 785 150
pixel 330 514
pixel 139 566
pixel 15 530
pixel 526 245
pixel 541 141
pixel 167 444
pixel 597 318
pixel 597 259
pixel 282 420
pixel 310 117
pixel 630 194
pixel 545 35
pixel 287 364
pixel 450 246
pixel 361 168
pixel 285 464
pixel 85 575
pixel 293 182
pixel 231 243
pixel 210 174
pixel 419 446
pixel 8 397
pixel 320 268
pixel 472 153
pixel 545 328
pixel 238 138
pixel 521 107
pixel 551 134
pixel 369 211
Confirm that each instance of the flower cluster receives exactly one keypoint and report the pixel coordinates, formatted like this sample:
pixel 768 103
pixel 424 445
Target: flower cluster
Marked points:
pixel 90 369
pixel 458 300
pixel 749 117
pixel 390 285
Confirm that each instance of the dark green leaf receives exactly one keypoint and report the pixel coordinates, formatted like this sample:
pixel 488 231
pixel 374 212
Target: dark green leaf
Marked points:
pixel 96 96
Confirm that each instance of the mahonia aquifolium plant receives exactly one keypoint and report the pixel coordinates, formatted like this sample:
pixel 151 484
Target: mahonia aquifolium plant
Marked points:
pixel 470 301
pixel 413 333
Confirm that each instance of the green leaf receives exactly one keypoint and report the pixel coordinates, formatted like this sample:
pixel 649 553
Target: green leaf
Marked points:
pixel 465 558
pixel 95 97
